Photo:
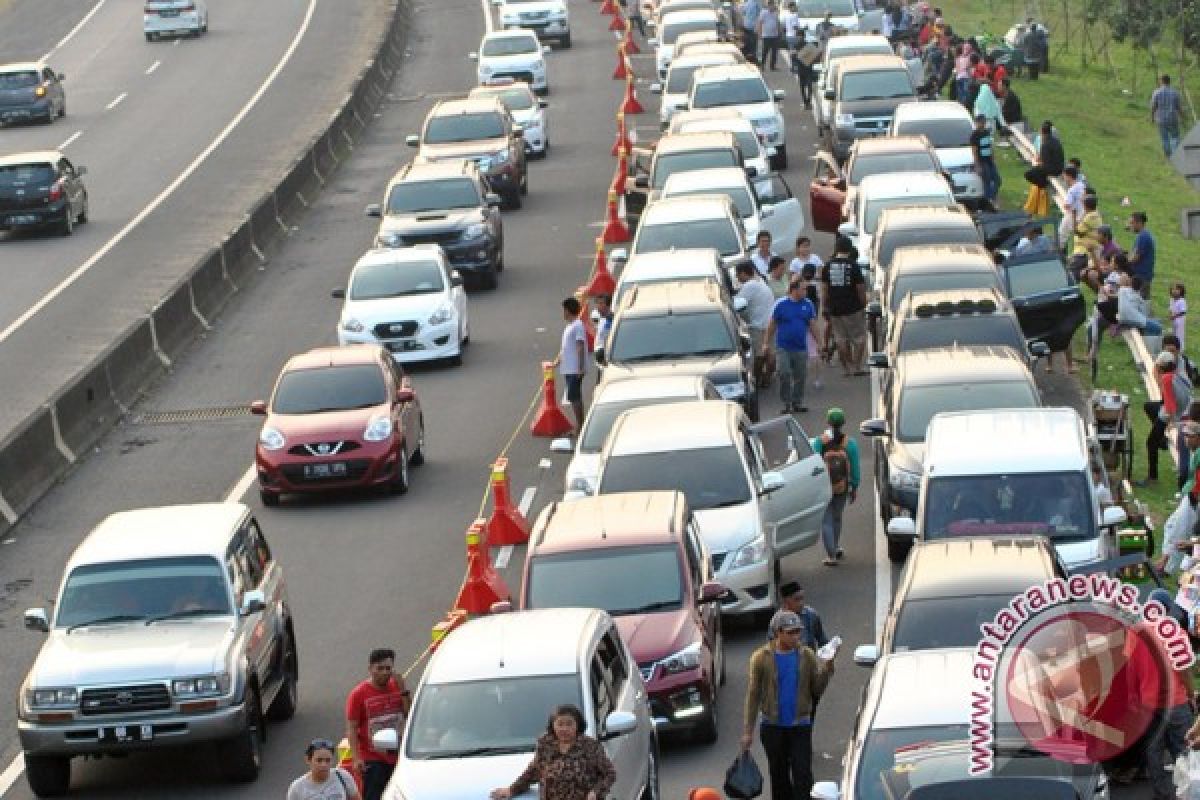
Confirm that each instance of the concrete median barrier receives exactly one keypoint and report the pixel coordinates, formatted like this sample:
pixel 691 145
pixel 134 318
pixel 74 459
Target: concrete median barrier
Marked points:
pixel 86 409
pixel 211 286
pixel 238 249
pixel 296 190
pixel 176 322
pixel 133 362
pixel 30 461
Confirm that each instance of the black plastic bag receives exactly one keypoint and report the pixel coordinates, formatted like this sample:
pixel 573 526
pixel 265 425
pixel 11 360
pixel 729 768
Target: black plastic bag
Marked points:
pixel 743 779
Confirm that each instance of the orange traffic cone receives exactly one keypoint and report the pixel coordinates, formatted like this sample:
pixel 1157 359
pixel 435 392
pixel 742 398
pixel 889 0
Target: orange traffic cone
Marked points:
pixel 507 524
pixel 622 174
pixel 602 280
pixel 615 229
pixel 439 632
pixel 622 71
pixel 483 585
pixel 630 45
pixel 618 22
pixel 345 758
pixel 631 104
pixel 549 421
pixel 622 139
pixel 608 8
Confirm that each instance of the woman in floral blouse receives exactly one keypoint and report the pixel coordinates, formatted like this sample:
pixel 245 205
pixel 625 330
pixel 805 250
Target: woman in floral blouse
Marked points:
pixel 567 765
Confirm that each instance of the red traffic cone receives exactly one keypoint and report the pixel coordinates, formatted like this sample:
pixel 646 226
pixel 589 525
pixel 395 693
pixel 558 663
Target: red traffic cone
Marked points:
pixel 618 22
pixel 631 104
pixel 618 184
pixel 439 632
pixel 507 524
pixel 602 280
pixel 549 421
pixel 615 229
pixel 608 8
pixel 622 139
pixel 630 45
pixel 622 71
pixel 483 585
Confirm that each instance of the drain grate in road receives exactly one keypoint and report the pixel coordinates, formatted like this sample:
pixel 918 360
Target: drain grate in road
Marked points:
pixel 191 415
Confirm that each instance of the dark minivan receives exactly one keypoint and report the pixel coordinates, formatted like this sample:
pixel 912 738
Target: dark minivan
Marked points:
pixel 41 190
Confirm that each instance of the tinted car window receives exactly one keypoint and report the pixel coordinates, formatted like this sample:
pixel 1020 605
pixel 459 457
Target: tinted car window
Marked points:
pixel 711 477
pixel 464 128
pixel 939 132
pixel 516 99
pixel 601 417
pixel 713 94
pixel 931 282
pixel 879 164
pixel 875 207
pixel 933 624
pixel 669 336
pixel 396 280
pixel 510 46
pixel 409 198
pixel 142 589
pixel 921 334
pixel 819 8
pixel 918 404
pixel 1056 505
pixel 620 580
pixel 875 85
pixel 667 165
pixel 672 31
pixel 717 234
pixel 27 173
pixel 311 391
pixel 18 80
pixel 679 79
pixel 890 240
pixel 1036 277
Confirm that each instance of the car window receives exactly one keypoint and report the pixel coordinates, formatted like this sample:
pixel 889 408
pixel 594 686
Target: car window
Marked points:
pixel 510 46
pixel 48 75
pixel 918 404
pixel 1057 505
pixel 26 174
pixel 620 580
pixel 773 190
pixel 679 78
pixel 674 30
pixel 717 234
pixel 410 197
pixel 19 80
pixel 941 622
pixel 890 240
pixel 612 656
pixel 884 163
pixel 875 206
pixel 667 165
pixel 922 334
pixel 325 389
pixel 779 443
pixel 1030 278
pixel 733 92
pixel 927 282
pixel 738 194
pixel 517 99
pixel 694 553
pixel 142 589
pixel 246 561
pixel 709 477
pixel 602 699
pixel 374 281
pixel 258 544
pixel 257 556
pixel 939 132
pixel 875 85
pixel 645 339
pixel 452 128
pixel 814 9
pixel 601 417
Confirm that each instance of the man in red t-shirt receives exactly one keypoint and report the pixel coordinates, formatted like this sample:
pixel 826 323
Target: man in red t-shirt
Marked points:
pixel 378 703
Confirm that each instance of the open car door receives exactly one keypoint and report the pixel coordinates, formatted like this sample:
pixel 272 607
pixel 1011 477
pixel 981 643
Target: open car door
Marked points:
pixel 635 195
pixel 779 209
pixel 796 510
pixel 1048 301
pixel 826 193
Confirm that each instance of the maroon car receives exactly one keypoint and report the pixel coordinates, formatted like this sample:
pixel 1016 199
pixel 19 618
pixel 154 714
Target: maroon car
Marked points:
pixel 339 417
pixel 639 556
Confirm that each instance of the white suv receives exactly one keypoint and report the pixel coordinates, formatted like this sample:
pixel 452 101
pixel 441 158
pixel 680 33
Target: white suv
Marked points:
pixel 485 696
pixel 513 54
pixel 742 87
pixel 547 18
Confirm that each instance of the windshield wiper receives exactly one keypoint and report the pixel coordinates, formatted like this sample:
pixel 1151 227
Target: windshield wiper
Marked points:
pixel 479 751
pixel 644 609
pixel 713 351
pixel 107 620
pixel 869 97
pixel 191 612
pixel 650 357
pixel 727 503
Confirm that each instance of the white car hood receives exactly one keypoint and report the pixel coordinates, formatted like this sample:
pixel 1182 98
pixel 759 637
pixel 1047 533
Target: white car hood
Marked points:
pixel 392 309
pixel 810 24
pixel 519 61
pixel 760 112
pixel 132 652
pixel 535 7
pixel 527 118
pixel 583 465
pixel 1076 554
pixel 457 778
pixel 953 157
pixel 726 529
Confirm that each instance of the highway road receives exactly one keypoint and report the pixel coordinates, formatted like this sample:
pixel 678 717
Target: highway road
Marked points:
pixel 368 571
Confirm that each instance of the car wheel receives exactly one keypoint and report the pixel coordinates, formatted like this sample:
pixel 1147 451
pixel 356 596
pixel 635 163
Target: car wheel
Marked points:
pixel 707 730
pixel 62 110
pixel 500 258
pixel 418 456
pixel 83 215
pixel 650 791
pixel 269 499
pixel 752 407
pixel 525 182
pixel 781 161
pixel 566 42
pixel 898 551
pixel 149 37
pixel 514 200
pixel 283 707
pixel 488 280
pixel 67 226
pixel 399 483
pixel 242 755
pixel 48 776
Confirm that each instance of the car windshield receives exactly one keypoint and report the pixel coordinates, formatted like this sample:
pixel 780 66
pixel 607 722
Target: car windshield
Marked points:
pixel 143 590
pixel 975 329
pixel 464 128
pixel 940 622
pixel 510 46
pixel 876 206
pixel 672 30
pixel 738 194
pixel 812 9
pixel 374 281
pixel 518 99
pixel 19 80
pixel 918 404
pixel 638 339
pixel 880 84
pixel 888 241
pixel 928 282
pixel 1036 277
pixel 313 391
pixel 1057 505
pixel 939 132
pixel 882 163
pixel 668 164
pixel 717 234
pixel 737 92
pixel 411 198
pixel 488 717
pixel 679 79
pixel 26 174
pixel 601 417
pixel 710 477
pixel 619 580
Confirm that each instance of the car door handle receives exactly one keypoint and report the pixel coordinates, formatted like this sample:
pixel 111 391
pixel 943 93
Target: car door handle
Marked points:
pixel 817 471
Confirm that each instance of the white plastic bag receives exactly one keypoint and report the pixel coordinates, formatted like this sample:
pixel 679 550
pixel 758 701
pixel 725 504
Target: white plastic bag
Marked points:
pixel 1187 776
pixel 1176 529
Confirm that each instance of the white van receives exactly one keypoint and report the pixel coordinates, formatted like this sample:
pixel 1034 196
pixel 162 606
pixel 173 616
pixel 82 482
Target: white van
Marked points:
pixel 1013 472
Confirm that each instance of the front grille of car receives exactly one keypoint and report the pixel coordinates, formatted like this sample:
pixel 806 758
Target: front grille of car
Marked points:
pixel 125 699
pixel 527 77
pixel 442 237
pixel 390 330
pixel 324 448
pixel 534 16
pixel 355 470
pixel 717 560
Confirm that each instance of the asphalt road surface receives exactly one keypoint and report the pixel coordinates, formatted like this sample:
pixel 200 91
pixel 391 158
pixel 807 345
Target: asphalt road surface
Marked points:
pixel 368 571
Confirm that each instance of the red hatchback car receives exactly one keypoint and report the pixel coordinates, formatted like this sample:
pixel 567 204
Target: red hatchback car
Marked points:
pixel 639 556
pixel 339 417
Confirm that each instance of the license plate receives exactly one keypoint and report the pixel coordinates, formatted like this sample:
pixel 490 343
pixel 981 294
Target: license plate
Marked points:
pixel 168 13
pixel 126 733
pixel 22 219
pixel 403 345
pixel 335 469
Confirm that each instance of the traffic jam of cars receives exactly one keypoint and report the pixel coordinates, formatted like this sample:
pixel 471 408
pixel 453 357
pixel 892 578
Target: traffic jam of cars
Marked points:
pixel 683 493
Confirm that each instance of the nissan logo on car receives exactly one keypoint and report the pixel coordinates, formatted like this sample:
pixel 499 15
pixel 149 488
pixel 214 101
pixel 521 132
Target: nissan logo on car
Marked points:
pixel 124 698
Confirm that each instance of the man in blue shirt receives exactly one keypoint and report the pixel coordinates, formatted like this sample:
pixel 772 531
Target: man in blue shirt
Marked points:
pixel 1141 255
pixel 787 338
pixel 749 12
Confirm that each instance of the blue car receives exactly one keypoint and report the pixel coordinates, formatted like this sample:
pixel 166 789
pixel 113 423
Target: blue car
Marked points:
pixel 31 92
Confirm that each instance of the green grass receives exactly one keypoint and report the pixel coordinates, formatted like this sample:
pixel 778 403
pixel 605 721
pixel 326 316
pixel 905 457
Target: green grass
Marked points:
pixel 1107 126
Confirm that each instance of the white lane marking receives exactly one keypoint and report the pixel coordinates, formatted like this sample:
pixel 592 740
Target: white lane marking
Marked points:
pixel 70 139
pixel 883 568
pixel 150 69
pixel 505 553
pixel 117 101
pixel 503 556
pixel 71 33
pixel 82 269
pixel 241 487
pixel 10 775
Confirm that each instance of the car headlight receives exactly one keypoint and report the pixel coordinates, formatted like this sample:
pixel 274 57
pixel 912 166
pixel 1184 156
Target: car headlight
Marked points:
pixel 444 313
pixel 845 120
pixel 499 158
pixel 352 325
pixel 484 69
pixel 513 20
pixel 539 66
pixel 559 16
pixel 51 698
pixel 389 240
pixel 751 553
pixel 731 391
pixel 903 480
pixel 201 686
pixel 379 429
pixel 271 439
pixel 475 231
pixel 686 659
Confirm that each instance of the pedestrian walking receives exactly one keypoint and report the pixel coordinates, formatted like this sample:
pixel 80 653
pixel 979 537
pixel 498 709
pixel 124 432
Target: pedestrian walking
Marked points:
pixel 572 356
pixel 984 148
pixel 770 33
pixel 840 454
pixel 377 703
pixel 567 764
pixel 1142 254
pixel 792 598
pixel 844 301
pixel 1162 413
pixel 778 278
pixel 785 679
pixel 787 340
pixel 762 253
pixel 634 14
pixel 322 781
pixel 804 57
pixel 760 302
pixel 1166 111
pixel 793 30
pixel 749 10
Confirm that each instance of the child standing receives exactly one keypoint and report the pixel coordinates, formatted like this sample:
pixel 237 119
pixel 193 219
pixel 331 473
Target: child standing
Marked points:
pixel 1178 310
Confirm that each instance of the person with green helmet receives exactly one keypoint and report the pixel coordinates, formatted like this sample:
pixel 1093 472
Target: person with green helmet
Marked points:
pixel 840 453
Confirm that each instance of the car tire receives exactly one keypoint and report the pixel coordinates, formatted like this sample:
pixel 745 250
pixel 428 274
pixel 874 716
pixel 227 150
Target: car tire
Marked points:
pixel 566 42
pixel 752 410
pixel 651 790
pixel 283 707
pixel 418 456
pixel 269 499
pixel 62 110
pixel 500 258
pixel 242 755
pixel 82 219
pixel 709 728
pixel 514 200
pixel 781 160
pixel 897 550
pixel 399 484
pixel 489 280
pixel 67 226
pixel 525 182
pixel 48 776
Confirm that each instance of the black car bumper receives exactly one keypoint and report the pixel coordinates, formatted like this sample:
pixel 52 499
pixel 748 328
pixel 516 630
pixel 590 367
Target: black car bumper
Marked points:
pixel 41 110
pixel 477 255
pixel 33 217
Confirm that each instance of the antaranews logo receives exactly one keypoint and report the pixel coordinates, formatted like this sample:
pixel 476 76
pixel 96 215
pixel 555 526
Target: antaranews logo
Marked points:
pixel 1077 668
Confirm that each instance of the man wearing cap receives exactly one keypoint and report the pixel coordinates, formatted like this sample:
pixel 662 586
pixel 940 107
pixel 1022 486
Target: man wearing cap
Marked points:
pixel 982 147
pixel 785 680
pixel 840 453
pixel 791 598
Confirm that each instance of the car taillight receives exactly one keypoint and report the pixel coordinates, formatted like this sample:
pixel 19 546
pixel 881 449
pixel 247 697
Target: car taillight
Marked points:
pixel 56 191
pixel 40 91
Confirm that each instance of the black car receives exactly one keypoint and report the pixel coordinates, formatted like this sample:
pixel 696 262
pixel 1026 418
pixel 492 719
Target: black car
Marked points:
pixel 445 203
pixel 42 190
pixel 31 92
pixel 1045 296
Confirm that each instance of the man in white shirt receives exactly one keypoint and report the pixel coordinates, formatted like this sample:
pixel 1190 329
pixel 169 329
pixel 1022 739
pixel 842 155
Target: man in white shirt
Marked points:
pixel 760 302
pixel 805 257
pixel 1072 206
pixel 762 253
pixel 572 357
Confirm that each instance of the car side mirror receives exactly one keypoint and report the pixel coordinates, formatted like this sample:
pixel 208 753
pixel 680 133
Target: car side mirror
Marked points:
pixel 405 395
pixel 412 140
pixel 253 602
pixel 656 88
pixel 599 357
pixel 494 200
pixel 779 94
pixel 37 620
pixel 642 181
pixel 740 304
pixel 874 309
pixel 258 408
pixel 561 445
pixel 338 294
pixel 829 95
pixel 865 655
pixel 877 360
pixel 374 210
pixel 874 427
pixel 712 591
pixel 902 527
pixel 619 723
pixel 1039 349
pixel 1112 516
pixel 385 740
pixel 456 278
pixel 472 56
pixel 848 229
pixel 751 172
pixel 771 482
pixel 81 171
pixel 825 790
pixel 543 103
